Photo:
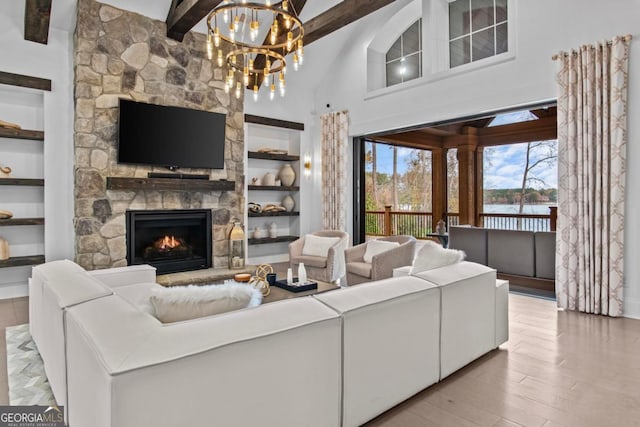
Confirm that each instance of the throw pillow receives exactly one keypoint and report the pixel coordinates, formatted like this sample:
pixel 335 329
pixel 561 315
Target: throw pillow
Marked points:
pixel 432 255
pixel 317 245
pixel 375 247
pixel 190 302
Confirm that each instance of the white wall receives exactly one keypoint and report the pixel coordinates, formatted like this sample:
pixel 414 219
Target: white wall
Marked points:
pixel 52 61
pixel 542 28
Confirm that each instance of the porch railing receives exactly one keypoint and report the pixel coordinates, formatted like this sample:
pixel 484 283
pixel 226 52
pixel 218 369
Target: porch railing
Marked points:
pixel 420 224
pixel 389 223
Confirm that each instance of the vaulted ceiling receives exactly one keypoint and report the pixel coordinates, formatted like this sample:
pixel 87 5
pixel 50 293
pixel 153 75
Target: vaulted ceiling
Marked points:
pixel 320 17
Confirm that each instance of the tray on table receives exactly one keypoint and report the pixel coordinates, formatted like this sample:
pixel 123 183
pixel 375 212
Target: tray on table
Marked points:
pixel 308 286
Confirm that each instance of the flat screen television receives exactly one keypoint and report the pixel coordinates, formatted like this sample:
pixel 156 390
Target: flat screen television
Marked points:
pixel 172 137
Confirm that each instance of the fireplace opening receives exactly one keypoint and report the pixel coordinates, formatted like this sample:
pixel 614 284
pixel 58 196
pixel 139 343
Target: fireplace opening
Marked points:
pixel 170 240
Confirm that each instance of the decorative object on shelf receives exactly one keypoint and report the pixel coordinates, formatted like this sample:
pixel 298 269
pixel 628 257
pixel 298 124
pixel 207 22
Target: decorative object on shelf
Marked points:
pixel 441 227
pixel 288 203
pixel 242 277
pixel 4 249
pixel 278 183
pixel 306 163
pixel 289 276
pixel 269 179
pixel 9 125
pixel 5 170
pixel 272 151
pixel 256 181
pixel 255 207
pixel 302 274
pixel 236 246
pixel 287 175
pixel 252 59
pixel 258 232
pixel 273 208
pixel 273 230
pixel 5 214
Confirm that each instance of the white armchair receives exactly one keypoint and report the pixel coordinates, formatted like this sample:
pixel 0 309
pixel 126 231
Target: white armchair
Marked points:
pixel 381 265
pixel 327 268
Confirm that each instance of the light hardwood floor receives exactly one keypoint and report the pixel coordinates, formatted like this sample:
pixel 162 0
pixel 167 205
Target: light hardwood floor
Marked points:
pixel 558 369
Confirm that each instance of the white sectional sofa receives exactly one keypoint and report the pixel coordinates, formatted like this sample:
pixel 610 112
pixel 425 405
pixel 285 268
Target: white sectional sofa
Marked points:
pixel 338 358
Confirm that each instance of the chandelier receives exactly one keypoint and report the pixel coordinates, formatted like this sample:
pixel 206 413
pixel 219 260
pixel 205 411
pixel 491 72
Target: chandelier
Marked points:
pixel 261 36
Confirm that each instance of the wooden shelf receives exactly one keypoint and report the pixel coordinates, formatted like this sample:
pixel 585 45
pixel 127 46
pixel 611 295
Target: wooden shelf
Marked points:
pixel 22 260
pixel 31 182
pixel 267 121
pixel 25 81
pixel 272 156
pixel 273 188
pixel 266 240
pixel 22 221
pixel 36 135
pixel 272 214
pixel 168 184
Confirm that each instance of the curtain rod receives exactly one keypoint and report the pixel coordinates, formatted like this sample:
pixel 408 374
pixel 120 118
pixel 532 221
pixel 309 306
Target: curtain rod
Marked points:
pixel 626 38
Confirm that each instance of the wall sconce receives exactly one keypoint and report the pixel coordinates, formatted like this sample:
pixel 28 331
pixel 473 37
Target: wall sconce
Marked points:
pixel 306 163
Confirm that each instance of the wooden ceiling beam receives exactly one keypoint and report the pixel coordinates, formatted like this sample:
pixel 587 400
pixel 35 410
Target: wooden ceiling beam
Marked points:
pixel 341 15
pixel 413 139
pixel 183 15
pixel 542 129
pixel 261 60
pixel 37 15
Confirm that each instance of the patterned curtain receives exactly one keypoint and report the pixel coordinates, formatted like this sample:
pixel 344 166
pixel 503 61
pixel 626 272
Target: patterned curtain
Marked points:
pixel 592 138
pixel 335 138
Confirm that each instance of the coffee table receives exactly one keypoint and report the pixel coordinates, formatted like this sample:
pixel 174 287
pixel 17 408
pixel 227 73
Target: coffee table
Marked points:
pixel 278 294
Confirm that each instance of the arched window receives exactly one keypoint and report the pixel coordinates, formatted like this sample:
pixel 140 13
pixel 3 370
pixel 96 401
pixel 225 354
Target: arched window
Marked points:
pixel 404 57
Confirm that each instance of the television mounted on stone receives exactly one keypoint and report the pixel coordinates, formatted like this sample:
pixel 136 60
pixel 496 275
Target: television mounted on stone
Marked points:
pixel 171 137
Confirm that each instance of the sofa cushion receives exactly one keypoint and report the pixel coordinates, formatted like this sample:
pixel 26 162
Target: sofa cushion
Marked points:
pixel 472 240
pixel 70 283
pixel 310 261
pixel 433 255
pixel 190 302
pixel 318 246
pixel 511 252
pixel 359 268
pixel 545 255
pixel 376 247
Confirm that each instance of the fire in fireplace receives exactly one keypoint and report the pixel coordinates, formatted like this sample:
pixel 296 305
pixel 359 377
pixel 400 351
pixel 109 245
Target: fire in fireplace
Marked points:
pixel 167 247
pixel 170 240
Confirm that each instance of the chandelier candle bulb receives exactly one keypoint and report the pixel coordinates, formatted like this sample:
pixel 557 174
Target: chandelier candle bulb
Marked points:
pixel 244 22
pixel 255 93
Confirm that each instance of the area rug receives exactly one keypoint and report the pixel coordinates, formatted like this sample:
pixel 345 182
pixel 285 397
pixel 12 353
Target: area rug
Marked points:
pixel 28 384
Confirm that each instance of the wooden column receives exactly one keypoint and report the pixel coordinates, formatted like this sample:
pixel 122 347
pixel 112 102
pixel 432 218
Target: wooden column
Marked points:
pixel 438 185
pixel 467 175
pixel 387 220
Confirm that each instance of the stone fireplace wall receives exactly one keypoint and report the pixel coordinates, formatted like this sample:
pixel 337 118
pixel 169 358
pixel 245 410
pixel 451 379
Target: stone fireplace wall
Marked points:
pixel 119 54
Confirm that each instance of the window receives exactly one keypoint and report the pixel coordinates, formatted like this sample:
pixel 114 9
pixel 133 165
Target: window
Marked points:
pixel 404 57
pixel 477 30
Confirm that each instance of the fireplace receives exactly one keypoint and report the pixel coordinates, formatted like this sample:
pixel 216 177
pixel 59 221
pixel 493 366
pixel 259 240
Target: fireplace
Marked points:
pixel 170 240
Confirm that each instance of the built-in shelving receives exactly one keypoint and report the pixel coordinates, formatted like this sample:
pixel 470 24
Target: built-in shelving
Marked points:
pixel 22 221
pixel 265 240
pixel 272 214
pixel 168 184
pixel 272 156
pixel 28 182
pixel 36 135
pixel 22 261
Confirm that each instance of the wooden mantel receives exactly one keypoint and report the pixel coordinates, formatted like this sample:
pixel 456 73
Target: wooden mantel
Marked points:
pixel 168 184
